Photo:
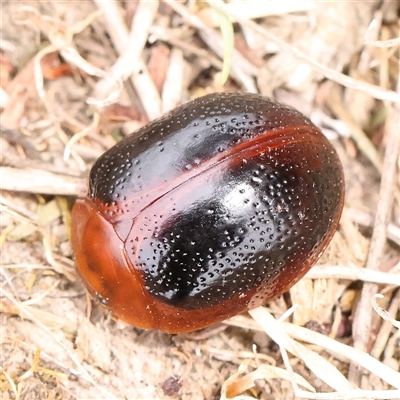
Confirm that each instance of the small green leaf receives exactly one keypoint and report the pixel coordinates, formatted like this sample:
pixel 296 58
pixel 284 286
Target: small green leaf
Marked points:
pixel 226 27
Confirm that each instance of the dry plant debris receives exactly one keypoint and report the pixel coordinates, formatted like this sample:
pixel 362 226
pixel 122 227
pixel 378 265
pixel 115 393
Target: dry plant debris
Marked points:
pixel 75 80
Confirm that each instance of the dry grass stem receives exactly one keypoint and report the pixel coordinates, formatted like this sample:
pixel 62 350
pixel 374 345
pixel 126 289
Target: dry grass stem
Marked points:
pixel 317 364
pixel 61 37
pixel 374 91
pixel 265 321
pixel 82 371
pixel 383 313
pixel 357 134
pixel 80 135
pixel 371 33
pixel 244 380
pixel 353 274
pixel 354 394
pixel 241 68
pixel 173 85
pixel 129 45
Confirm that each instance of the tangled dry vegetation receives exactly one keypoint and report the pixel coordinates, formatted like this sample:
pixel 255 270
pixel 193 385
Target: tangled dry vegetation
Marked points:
pixel 74 80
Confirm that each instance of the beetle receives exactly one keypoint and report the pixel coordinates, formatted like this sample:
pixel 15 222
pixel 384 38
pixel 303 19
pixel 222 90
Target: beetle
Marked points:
pixel 215 208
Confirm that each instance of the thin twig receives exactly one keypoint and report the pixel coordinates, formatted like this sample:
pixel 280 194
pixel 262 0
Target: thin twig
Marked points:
pixel 32 180
pixel 363 316
pixel 367 220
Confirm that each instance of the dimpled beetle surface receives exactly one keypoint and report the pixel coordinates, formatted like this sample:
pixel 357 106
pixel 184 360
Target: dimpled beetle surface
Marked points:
pixel 216 208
